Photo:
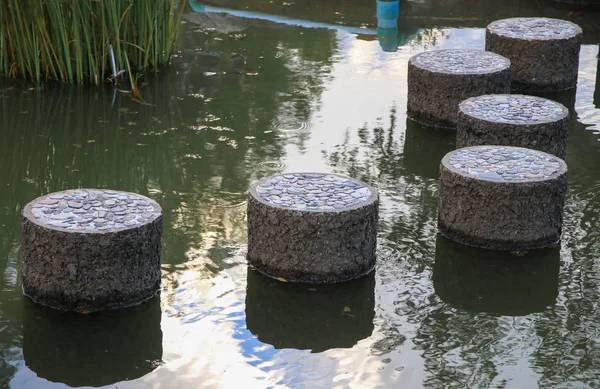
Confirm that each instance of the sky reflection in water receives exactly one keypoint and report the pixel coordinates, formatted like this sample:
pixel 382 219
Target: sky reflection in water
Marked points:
pixel 246 98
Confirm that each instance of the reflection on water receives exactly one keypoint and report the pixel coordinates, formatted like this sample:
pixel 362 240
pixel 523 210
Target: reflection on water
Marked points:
pixel 425 147
pixel 566 98
pixel 415 16
pixel 246 98
pixel 496 282
pixel 92 350
pixel 387 25
pixel 597 88
pixel 313 317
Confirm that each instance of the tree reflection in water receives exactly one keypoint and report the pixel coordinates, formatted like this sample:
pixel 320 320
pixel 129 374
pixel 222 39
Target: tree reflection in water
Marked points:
pixel 205 131
pixel 473 314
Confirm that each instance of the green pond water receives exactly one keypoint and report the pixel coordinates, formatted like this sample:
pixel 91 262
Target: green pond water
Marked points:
pixel 274 87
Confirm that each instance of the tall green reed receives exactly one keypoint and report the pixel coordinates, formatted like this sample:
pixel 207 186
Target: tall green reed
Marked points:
pixel 70 40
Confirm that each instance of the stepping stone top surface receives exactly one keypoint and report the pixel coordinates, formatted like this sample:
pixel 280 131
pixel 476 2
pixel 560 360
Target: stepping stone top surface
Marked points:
pixel 312 192
pixel 93 210
pixel 535 28
pixel 461 61
pixel 514 109
pixel 505 163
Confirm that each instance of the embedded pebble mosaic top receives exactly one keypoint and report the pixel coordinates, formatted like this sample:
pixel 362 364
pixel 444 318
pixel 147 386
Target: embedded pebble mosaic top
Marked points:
pixel 461 61
pixel 504 163
pixel 535 28
pixel 514 109
pixel 92 210
pixel 312 191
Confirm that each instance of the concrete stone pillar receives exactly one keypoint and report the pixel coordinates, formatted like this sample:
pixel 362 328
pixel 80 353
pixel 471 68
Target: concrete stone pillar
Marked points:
pixel 91 249
pixel 501 197
pixel 513 120
pixel 439 80
pixel 312 227
pixel 544 52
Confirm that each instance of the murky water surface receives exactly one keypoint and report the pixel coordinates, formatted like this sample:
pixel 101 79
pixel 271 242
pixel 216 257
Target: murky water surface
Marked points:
pixel 280 86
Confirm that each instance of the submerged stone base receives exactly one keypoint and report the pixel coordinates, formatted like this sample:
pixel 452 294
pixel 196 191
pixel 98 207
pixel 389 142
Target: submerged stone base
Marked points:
pixel 496 282
pixel 543 52
pixel 93 350
pixel 312 227
pixel 307 316
pixel 500 197
pixel 439 80
pixel 90 249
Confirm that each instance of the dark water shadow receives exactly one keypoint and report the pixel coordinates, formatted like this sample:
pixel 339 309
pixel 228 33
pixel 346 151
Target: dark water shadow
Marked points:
pixel 566 97
pixel 424 148
pixel 494 281
pixel 597 89
pixel 576 5
pixel 310 317
pixel 92 350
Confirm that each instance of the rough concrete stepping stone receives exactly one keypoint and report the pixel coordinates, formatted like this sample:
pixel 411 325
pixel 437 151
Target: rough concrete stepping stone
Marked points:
pixel 513 120
pixel 312 227
pixel 91 249
pixel 439 80
pixel 544 52
pixel 502 197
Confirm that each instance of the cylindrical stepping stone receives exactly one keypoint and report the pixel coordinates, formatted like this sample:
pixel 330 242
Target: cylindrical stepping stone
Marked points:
pixel 439 80
pixel 312 227
pixel 544 52
pixel 502 197
pixel 513 120
pixel 91 249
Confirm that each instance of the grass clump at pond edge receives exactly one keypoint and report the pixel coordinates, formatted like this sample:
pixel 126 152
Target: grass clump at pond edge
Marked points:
pixel 70 40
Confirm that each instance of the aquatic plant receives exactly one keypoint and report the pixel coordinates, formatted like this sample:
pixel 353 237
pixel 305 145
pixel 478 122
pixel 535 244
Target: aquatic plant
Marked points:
pixel 72 40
